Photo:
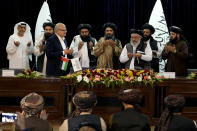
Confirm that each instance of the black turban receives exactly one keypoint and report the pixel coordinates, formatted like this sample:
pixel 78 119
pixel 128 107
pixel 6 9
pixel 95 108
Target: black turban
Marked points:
pixel 85 100
pixel 174 103
pixel 134 31
pixel 176 29
pixel 84 26
pixel 148 26
pixel 111 25
pixel 130 96
pixel 48 24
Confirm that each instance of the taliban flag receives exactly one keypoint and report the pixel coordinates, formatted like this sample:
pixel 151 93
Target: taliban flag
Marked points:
pixel 64 63
pixel 158 21
pixel 43 16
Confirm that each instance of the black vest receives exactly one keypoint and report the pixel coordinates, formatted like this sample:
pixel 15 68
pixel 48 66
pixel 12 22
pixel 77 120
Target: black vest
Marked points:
pixel 155 61
pixel 139 64
pixel 75 123
pixel 40 62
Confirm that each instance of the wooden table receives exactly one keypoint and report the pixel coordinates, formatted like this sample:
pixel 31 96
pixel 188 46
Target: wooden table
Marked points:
pixel 58 95
pixel 12 90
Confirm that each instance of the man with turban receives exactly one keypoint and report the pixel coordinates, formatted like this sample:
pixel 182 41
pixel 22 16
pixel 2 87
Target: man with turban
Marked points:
pixel 20 47
pixel 32 110
pixel 171 119
pixel 147 37
pixel 83 45
pixel 137 54
pixel 40 45
pixel 176 52
pixel 108 48
pixel 131 118
pixel 84 101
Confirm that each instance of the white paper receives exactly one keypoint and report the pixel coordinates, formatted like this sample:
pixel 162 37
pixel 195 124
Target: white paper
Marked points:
pixel 76 64
pixel 7 72
pixel 169 74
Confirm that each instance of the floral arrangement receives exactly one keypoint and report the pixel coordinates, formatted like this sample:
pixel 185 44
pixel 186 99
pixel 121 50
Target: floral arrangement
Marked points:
pixel 28 74
pixel 112 78
pixel 193 75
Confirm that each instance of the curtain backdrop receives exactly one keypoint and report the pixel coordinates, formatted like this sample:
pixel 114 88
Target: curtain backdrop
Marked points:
pixel 126 14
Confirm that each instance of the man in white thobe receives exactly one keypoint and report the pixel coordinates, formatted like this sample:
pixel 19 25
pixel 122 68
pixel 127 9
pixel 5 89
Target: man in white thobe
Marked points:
pixel 83 46
pixel 137 54
pixel 19 47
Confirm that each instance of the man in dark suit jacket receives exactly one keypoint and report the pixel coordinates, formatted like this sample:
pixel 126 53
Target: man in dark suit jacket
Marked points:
pixel 56 47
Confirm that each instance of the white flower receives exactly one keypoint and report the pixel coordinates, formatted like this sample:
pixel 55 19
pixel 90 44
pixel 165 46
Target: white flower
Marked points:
pixel 139 79
pixel 149 78
pixel 79 78
pixel 85 78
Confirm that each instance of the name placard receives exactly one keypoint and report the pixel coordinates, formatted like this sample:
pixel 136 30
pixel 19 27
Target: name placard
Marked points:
pixel 7 73
pixel 76 64
pixel 169 74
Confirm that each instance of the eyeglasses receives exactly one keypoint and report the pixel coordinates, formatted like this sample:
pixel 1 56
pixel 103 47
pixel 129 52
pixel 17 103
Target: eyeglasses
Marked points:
pixel 62 29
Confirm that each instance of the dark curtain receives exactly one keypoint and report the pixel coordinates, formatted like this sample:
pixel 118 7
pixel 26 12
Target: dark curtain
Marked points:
pixel 126 14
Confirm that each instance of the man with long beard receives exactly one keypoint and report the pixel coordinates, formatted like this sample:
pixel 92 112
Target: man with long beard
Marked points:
pixel 83 45
pixel 148 31
pixel 137 54
pixel 176 52
pixel 39 48
pixel 108 48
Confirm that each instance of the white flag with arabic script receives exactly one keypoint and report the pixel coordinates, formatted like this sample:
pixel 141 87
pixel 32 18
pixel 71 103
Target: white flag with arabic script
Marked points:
pixel 158 21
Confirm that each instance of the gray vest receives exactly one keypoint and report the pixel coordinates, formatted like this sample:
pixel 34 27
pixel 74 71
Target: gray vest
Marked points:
pixel 138 63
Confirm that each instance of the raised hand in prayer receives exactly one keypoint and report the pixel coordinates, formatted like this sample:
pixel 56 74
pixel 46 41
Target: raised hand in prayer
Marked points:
pixel 29 44
pixel 112 43
pixel 130 55
pixel 80 45
pixel 20 120
pixel 138 55
pixel 90 45
pixel 17 43
pixel 43 114
pixel 106 43
pixel 170 48
pixel 71 51
pixel 66 51
pixel 154 53
pixel 42 47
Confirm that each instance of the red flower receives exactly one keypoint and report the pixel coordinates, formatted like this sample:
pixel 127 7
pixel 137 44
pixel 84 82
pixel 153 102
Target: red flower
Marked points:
pixel 88 75
pixel 146 71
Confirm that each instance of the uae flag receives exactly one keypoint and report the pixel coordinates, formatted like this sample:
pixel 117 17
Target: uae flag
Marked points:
pixel 65 63
pixel 161 35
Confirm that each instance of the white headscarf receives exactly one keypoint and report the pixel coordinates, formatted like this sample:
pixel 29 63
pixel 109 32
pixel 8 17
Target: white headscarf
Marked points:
pixel 27 32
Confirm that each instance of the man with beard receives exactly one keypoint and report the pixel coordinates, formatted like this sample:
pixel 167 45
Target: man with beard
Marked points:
pixel 148 31
pixel 39 48
pixel 137 54
pixel 176 52
pixel 108 48
pixel 83 45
